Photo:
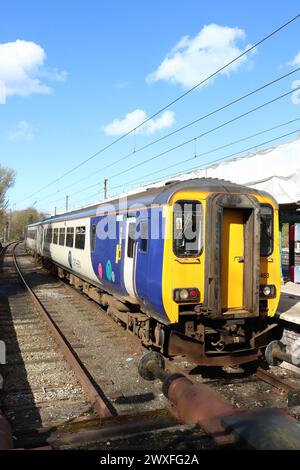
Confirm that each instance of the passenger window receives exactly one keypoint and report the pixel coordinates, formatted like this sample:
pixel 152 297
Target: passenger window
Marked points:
pixel 144 236
pixel 62 234
pixel 49 235
pixel 80 238
pixel 55 236
pixel 131 240
pixel 70 237
pixel 266 230
pixel 187 228
pixel 94 233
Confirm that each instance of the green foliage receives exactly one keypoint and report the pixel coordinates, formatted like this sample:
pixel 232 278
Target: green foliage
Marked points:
pixel 20 219
pixel 7 179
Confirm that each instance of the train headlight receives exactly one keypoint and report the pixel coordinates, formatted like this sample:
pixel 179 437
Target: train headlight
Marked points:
pixel 183 294
pixel 268 291
pixel 188 294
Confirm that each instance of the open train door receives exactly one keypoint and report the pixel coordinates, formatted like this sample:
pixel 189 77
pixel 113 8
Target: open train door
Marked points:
pixel 130 256
pixel 233 255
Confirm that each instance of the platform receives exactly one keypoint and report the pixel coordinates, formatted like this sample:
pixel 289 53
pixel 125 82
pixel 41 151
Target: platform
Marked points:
pixel 289 305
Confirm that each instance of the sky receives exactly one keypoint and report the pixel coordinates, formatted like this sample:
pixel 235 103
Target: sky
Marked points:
pixel 76 75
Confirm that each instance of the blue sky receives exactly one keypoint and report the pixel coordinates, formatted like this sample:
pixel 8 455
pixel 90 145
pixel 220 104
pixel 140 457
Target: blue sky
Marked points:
pixel 77 74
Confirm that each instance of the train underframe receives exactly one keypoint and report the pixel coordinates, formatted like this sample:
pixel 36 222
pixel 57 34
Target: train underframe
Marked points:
pixel 203 340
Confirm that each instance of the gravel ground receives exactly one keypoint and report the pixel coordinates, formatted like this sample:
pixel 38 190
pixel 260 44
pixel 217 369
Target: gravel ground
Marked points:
pixel 37 374
pixel 110 355
pixel 40 388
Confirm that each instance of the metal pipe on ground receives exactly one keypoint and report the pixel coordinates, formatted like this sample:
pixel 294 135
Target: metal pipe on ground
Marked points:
pixel 194 403
pixel 276 353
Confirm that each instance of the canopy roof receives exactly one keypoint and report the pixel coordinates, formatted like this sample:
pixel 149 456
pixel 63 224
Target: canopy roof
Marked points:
pixel 275 170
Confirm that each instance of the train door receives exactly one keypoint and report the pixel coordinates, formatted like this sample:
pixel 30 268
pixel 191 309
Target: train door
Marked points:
pixel 130 256
pixel 232 255
pixel 232 259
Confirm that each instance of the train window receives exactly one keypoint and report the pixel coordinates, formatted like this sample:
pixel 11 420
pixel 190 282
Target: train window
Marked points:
pixel 266 230
pixel 187 228
pixel 144 236
pixel 131 240
pixel 49 235
pixel 80 238
pixel 31 234
pixel 62 233
pixel 94 233
pixel 55 236
pixel 70 237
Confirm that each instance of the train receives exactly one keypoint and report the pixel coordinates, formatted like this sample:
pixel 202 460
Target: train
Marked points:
pixel 191 267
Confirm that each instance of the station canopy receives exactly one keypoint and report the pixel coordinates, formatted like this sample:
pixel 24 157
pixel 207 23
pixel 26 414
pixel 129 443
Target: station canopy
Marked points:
pixel 275 170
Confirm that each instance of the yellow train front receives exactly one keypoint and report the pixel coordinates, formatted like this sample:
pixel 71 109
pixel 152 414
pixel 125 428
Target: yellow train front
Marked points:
pixel 221 271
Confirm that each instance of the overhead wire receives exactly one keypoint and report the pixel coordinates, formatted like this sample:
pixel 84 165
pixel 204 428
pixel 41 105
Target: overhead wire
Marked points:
pixel 215 149
pixel 171 103
pixel 198 137
pixel 189 124
pixel 220 126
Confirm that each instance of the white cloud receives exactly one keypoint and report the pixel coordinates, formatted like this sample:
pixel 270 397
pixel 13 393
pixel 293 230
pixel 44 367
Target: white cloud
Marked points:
pixel 133 119
pixel 193 59
pixel 22 67
pixel 296 60
pixel 23 132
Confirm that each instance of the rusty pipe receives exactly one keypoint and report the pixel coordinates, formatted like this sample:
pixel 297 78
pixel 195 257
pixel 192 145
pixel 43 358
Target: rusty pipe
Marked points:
pixel 195 403
pixel 192 403
pixel 275 354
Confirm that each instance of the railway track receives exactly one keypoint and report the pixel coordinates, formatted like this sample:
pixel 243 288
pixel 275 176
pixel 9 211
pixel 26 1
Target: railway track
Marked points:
pixel 40 388
pixel 112 400
pixel 103 399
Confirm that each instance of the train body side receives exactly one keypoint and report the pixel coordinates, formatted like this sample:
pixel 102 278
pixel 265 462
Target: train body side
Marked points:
pixel 103 261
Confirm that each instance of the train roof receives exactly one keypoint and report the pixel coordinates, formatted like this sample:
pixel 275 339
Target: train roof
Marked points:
pixel 154 195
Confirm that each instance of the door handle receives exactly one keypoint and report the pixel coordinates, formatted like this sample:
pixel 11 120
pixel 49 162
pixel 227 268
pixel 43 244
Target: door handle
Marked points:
pixel 240 259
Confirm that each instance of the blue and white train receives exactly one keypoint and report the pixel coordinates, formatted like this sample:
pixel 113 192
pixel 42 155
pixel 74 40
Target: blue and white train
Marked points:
pixel 191 267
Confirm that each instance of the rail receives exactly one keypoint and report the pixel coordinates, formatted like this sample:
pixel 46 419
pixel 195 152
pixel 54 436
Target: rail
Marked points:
pixel 101 407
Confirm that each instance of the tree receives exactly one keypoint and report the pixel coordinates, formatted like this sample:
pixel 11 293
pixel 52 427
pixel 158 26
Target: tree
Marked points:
pixel 7 179
pixel 20 219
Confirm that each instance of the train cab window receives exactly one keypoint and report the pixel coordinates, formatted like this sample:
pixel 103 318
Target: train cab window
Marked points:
pixel 70 237
pixel 62 233
pixel 94 233
pixel 80 238
pixel 187 229
pixel 266 230
pixel 144 236
pixel 55 236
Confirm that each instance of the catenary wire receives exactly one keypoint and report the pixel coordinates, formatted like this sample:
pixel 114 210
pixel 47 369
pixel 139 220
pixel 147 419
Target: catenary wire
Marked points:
pixel 171 103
